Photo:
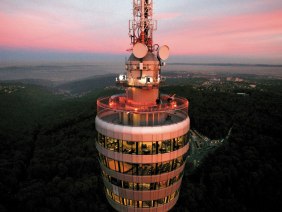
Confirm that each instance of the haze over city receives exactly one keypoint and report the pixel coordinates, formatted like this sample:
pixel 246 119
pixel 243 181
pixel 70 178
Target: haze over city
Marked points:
pixel 220 31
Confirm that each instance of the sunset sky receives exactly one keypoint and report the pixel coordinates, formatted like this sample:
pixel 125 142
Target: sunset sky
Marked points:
pixel 240 31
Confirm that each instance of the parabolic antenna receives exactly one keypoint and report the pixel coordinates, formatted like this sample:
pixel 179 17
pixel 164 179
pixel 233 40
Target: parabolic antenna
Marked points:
pixel 140 50
pixel 163 52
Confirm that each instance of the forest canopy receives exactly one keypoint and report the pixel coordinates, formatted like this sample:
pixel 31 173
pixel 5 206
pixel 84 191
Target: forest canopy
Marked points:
pixel 48 160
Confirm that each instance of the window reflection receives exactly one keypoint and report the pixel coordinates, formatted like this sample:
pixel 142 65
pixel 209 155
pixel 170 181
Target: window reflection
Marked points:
pixel 143 169
pixel 142 148
pixel 141 204
pixel 129 147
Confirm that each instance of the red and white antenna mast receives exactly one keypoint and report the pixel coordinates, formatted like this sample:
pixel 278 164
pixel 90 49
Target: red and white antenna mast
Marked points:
pixel 142 26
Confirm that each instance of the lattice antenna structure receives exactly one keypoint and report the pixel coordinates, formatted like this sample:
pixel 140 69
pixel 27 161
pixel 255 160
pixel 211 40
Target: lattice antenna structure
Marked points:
pixel 142 25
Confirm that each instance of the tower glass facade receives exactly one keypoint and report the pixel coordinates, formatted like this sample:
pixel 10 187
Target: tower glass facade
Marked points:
pixel 142 134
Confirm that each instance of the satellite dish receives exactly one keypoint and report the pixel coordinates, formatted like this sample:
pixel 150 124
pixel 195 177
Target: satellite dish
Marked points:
pixel 163 52
pixel 140 50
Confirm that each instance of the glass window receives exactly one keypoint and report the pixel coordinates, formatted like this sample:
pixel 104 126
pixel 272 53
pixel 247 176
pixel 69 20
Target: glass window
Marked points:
pixel 130 202
pixel 155 203
pixel 173 165
pixel 122 168
pixel 103 159
pixel 113 165
pixel 153 169
pixel 160 201
pixel 154 147
pixel 180 142
pixel 116 198
pixel 165 167
pixel 141 204
pixel 144 186
pixel 120 145
pixel 166 200
pixel 142 148
pixel 162 184
pixel 172 181
pixel 124 201
pixel 145 148
pixel 101 139
pixel 131 185
pixel 126 167
pixel 115 181
pixel 153 186
pixel 139 148
pixel 112 144
pixel 162 147
pixel 125 184
pixel 145 169
pixel 166 146
pixel 108 192
pixel 175 145
pixel 142 169
pixel 134 203
pixel 136 169
pixel 129 147
pixel 147 204
pixel 136 186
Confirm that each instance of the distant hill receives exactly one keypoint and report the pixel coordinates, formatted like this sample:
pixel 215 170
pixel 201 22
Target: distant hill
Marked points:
pixel 88 85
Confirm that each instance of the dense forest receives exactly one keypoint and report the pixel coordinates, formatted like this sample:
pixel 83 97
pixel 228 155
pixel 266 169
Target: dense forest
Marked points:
pixel 48 160
pixel 245 173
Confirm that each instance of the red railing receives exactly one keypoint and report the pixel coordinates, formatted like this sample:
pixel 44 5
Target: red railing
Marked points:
pixel 118 103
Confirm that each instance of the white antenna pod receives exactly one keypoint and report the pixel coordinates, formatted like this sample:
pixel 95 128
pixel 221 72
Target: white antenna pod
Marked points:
pixel 140 50
pixel 163 52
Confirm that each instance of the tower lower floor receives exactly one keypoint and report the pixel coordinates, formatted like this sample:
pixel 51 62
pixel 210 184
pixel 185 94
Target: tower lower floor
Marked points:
pixel 123 204
pixel 142 152
pixel 142 176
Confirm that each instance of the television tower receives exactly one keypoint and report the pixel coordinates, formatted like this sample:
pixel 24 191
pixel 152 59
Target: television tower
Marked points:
pixel 142 134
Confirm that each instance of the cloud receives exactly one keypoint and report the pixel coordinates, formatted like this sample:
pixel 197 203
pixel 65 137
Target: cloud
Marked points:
pixel 167 16
pixel 49 30
pixel 219 27
pixel 247 34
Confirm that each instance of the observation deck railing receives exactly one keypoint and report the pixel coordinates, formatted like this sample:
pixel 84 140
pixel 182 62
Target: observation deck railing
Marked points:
pixel 118 110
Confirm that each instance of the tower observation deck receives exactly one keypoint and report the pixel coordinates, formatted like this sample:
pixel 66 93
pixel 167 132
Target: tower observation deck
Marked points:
pixel 142 134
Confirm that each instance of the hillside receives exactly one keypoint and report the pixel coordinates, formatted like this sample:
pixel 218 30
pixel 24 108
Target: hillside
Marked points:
pixel 48 161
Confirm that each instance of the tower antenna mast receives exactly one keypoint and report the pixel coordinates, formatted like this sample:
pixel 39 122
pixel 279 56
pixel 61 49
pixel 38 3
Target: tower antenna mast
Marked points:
pixel 142 25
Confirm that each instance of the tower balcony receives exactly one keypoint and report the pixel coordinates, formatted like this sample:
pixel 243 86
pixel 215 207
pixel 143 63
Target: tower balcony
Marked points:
pixel 119 111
